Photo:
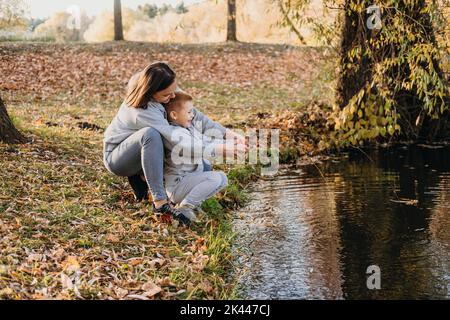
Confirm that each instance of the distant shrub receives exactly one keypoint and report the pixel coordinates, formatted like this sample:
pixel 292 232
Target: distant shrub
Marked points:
pixel 58 27
pixel 102 29
pixel 21 35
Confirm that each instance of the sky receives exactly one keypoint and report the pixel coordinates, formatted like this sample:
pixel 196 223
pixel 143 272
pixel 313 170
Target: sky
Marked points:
pixel 45 8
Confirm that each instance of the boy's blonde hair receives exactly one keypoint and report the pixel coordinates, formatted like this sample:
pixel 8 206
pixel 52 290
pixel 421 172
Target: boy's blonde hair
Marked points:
pixel 176 103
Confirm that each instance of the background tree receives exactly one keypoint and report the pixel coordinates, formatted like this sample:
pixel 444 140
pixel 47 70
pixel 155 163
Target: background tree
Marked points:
pixel 231 24
pixel 118 26
pixel 150 10
pixel 165 8
pixel 34 23
pixel 8 133
pixel 12 13
pixel 181 8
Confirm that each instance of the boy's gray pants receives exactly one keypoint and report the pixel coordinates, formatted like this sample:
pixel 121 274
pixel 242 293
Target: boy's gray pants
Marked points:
pixel 196 187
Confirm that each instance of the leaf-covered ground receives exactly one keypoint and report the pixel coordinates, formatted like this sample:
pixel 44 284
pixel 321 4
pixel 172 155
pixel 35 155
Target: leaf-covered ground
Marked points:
pixel 69 229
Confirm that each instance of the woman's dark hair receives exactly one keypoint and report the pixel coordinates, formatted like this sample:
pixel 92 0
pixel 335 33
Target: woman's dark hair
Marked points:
pixel 154 78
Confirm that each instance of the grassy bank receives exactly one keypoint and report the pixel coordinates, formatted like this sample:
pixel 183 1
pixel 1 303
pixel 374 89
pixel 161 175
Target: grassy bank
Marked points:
pixel 68 228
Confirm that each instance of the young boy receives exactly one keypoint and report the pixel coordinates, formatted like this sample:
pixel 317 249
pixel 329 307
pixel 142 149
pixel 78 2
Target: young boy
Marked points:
pixel 187 179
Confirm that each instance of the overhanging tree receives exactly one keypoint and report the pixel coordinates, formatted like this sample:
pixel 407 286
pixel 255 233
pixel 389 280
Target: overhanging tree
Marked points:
pixel 390 82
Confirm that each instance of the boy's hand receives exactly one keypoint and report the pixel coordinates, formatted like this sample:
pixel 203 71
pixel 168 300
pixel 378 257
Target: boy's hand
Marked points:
pixel 230 150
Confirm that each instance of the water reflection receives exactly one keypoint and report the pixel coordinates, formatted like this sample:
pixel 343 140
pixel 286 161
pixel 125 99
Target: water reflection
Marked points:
pixel 313 237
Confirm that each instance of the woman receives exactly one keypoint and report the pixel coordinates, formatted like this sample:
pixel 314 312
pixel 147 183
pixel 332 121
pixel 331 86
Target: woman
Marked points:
pixel 133 145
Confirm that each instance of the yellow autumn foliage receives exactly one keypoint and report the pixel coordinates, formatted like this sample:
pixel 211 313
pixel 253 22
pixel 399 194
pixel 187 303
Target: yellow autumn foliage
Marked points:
pixel 257 21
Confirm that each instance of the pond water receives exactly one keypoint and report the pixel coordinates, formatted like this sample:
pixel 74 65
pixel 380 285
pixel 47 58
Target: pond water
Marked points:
pixel 312 232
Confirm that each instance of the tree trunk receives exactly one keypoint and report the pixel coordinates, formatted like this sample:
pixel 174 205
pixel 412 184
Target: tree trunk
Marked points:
pixel 415 122
pixel 8 133
pixel 231 26
pixel 118 27
pixel 354 32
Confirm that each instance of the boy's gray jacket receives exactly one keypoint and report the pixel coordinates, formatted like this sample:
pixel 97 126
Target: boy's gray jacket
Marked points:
pixel 187 151
pixel 129 120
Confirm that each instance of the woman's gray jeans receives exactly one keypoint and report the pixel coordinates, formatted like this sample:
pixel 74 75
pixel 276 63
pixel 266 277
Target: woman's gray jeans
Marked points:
pixel 143 151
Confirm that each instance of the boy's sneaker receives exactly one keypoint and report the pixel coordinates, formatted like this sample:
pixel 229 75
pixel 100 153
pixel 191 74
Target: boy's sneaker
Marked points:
pixel 200 211
pixel 140 188
pixel 166 213
pixel 187 211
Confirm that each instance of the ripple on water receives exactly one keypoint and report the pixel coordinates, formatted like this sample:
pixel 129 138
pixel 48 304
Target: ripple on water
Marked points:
pixel 304 236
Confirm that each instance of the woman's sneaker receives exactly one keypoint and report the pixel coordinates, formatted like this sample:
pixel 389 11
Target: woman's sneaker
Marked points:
pixel 140 188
